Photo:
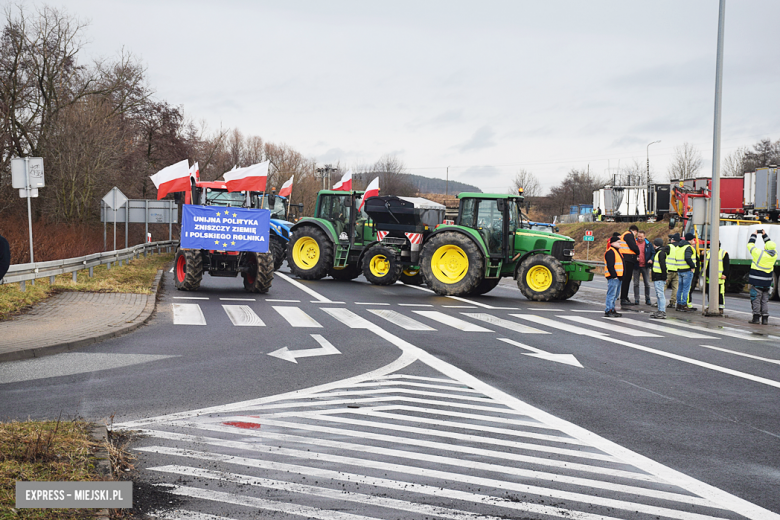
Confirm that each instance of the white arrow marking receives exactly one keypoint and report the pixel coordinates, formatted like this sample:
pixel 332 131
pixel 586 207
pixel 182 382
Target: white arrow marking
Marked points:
pixel 290 355
pixel 775 361
pixel 566 359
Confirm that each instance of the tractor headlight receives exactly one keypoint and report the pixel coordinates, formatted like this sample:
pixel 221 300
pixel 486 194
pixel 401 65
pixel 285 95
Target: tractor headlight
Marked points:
pixel 568 252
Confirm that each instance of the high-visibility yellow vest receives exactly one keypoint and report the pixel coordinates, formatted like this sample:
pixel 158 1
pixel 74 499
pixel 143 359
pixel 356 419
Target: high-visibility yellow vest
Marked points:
pixel 618 262
pixel 721 256
pixel 762 261
pixel 671 263
pixel 679 258
pixel 657 262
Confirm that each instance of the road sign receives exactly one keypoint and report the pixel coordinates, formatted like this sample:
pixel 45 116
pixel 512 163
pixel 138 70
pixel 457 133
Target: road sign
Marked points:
pixel 114 199
pixel 589 238
pixel 589 233
pixel 35 167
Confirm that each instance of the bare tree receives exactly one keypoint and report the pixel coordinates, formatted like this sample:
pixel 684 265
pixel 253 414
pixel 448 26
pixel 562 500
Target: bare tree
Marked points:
pixel 576 188
pixel 393 180
pixel 528 181
pixel 686 162
pixel 734 164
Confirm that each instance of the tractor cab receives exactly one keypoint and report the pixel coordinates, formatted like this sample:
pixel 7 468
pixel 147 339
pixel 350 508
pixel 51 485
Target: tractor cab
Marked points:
pixel 340 209
pixel 495 217
pixel 216 194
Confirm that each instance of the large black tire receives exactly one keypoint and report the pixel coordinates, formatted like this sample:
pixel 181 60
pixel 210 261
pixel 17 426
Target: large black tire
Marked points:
pixel 412 276
pixel 310 253
pixel 775 290
pixel 541 278
pixel 188 269
pixel 381 266
pixel 452 264
pixel 260 274
pixel 570 289
pixel 278 248
pixel 485 286
pixel 350 272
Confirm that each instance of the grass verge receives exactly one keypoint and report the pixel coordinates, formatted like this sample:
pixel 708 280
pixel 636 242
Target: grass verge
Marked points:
pixel 45 451
pixel 135 277
pixel 603 230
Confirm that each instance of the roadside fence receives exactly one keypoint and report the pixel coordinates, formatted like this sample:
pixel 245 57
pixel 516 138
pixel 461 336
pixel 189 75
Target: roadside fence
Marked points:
pixel 22 273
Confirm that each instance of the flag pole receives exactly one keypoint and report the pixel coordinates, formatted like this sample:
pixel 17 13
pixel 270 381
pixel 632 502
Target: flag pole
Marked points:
pixel 289 201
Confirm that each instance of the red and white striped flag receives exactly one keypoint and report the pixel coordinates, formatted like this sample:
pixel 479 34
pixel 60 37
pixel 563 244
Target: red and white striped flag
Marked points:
pixel 251 178
pixel 173 178
pixel 287 187
pixel 345 184
pixel 195 172
pixel 371 191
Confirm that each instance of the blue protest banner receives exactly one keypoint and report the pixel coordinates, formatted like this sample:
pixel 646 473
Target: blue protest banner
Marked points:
pixel 225 229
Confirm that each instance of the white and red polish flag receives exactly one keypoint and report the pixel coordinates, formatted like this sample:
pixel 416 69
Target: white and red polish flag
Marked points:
pixel 287 187
pixel 175 177
pixel 195 172
pixel 251 178
pixel 371 191
pixel 345 184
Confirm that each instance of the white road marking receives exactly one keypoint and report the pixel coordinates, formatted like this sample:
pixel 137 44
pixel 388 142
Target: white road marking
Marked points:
pixel 775 361
pixel 581 310
pixel 558 325
pixel 507 324
pixel 331 494
pixel 396 318
pixel 299 285
pixel 326 349
pixel 283 301
pixel 662 328
pixel 609 325
pixel 566 359
pixel 319 301
pixel 747 336
pixel 297 318
pixel 70 363
pixel 550 309
pixel 180 514
pixel 187 314
pixel 415 305
pixel 464 300
pixel 243 316
pixel 433 491
pixel 459 306
pixel 171 270
pixel 452 321
pixel 349 318
pixel 268 505
pixel 238 299
pixel 370 303
pixel 449 476
pixel 190 298
pixel 401 384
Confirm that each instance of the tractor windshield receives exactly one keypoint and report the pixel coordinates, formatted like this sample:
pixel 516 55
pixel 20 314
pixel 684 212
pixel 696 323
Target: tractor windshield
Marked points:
pixel 279 209
pixel 234 199
pixel 337 209
pixel 485 216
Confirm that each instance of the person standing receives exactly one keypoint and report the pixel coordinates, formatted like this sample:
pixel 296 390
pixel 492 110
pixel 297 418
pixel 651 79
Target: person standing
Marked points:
pixel 628 250
pixel 5 257
pixel 613 263
pixel 659 277
pixel 642 269
pixel 723 272
pixel 683 256
pixel 760 278
pixel 672 280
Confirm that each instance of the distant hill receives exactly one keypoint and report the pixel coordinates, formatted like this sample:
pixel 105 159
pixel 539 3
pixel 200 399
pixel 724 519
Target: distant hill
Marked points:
pixel 429 185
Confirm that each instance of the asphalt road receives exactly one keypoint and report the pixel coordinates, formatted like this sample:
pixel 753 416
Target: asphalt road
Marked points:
pixel 392 402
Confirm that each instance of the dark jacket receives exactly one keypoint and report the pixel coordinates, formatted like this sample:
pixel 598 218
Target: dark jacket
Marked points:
pixel 658 277
pixel 5 256
pixel 609 261
pixel 631 243
pixel 649 252
pixel 690 257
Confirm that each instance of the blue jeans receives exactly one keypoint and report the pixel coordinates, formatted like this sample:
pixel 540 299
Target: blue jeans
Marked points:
pixel 613 293
pixel 686 277
pixel 660 287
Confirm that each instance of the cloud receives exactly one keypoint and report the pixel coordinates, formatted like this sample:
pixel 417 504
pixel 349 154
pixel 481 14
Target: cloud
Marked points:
pixel 482 138
pixel 443 119
pixel 628 141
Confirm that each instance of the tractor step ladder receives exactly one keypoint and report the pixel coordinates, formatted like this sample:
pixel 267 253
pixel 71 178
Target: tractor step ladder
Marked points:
pixel 342 255
pixel 494 268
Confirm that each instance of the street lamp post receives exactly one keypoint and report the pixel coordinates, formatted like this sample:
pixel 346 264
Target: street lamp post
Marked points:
pixel 647 178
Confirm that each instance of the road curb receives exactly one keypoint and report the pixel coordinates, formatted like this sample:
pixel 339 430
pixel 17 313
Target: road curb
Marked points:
pixel 102 462
pixel 142 319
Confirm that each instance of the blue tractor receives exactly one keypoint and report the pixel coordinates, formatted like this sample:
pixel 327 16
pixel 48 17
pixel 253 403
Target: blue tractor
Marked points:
pixel 280 226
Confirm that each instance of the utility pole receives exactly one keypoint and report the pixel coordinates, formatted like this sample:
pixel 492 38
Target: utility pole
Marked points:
pixel 714 274
pixel 647 178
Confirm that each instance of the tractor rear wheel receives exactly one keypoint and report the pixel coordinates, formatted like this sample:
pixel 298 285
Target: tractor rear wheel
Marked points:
pixel 485 286
pixel 412 277
pixel 310 253
pixel 188 269
pixel 452 264
pixel 381 266
pixel 570 289
pixel 345 274
pixel 541 278
pixel 260 274
pixel 278 248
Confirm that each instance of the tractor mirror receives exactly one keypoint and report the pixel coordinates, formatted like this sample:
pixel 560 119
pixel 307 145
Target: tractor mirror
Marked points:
pixel 271 200
pixel 501 204
pixel 672 222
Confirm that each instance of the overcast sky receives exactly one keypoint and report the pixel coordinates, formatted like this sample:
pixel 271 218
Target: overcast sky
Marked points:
pixel 484 87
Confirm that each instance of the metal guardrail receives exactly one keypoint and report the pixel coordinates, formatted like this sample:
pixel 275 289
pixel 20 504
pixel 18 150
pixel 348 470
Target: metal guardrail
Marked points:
pixel 22 273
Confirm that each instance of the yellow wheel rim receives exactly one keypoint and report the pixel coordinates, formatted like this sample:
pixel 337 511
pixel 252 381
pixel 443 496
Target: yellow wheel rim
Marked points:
pixel 539 278
pixel 306 253
pixel 379 265
pixel 449 264
pixel 411 272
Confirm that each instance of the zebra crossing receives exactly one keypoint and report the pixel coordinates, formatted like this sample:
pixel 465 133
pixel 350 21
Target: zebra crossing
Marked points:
pixel 410 442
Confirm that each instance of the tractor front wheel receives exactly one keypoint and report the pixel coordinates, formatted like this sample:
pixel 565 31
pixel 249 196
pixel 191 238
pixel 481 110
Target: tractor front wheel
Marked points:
pixel 485 286
pixel 452 264
pixel 570 289
pixel 345 274
pixel 310 253
pixel 188 269
pixel 260 272
pixel 412 276
pixel 381 266
pixel 541 278
pixel 278 248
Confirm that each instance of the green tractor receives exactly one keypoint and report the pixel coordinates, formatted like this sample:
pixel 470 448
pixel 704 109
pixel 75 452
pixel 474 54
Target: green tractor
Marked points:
pixel 492 240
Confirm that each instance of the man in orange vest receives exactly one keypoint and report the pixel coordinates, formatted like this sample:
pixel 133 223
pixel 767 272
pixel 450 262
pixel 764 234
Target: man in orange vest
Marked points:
pixel 628 249
pixel 614 271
